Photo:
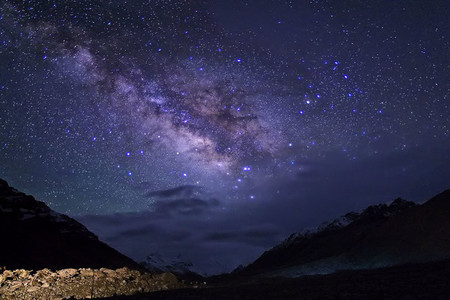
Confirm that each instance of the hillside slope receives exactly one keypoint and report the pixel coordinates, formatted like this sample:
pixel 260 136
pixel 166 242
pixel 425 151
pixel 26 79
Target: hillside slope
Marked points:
pixel 35 237
pixel 380 236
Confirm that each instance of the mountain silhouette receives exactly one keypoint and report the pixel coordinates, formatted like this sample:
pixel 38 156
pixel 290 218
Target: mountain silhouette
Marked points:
pixel 380 236
pixel 35 237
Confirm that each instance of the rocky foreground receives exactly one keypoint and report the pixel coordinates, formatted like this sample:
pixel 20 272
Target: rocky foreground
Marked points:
pixel 81 283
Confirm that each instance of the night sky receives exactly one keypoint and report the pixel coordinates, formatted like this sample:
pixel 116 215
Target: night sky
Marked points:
pixel 214 129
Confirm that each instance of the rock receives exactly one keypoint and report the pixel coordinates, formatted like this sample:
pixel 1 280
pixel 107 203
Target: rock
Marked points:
pixel 66 273
pixel 44 273
pixel 86 272
pixel 21 273
pixel 81 283
pixel 8 274
pixel 169 277
pixel 32 289
pixel 109 272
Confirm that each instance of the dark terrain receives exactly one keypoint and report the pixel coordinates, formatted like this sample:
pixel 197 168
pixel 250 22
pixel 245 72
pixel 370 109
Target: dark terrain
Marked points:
pixel 396 251
pixel 416 281
pixel 35 237
pixel 380 236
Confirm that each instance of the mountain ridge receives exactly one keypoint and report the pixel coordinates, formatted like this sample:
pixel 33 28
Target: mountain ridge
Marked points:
pixel 380 236
pixel 373 211
pixel 35 237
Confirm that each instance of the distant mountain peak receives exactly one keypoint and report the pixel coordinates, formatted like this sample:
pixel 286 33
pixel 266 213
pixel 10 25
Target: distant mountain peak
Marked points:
pixel 182 268
pixel 371 212
pixel 177 265
pixel 384 210
pixel 378 236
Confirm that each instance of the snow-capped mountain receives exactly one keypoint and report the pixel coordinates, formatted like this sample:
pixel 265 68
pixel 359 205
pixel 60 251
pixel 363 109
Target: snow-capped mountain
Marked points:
pixel 380 211
pixel 178 265
pixel 34 237
pixel 156 262
pixel 379 236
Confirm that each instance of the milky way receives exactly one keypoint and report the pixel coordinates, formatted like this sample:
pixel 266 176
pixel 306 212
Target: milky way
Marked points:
pixel 105 102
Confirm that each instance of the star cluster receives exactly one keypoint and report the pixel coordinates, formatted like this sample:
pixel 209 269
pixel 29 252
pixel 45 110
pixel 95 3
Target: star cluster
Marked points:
pixel 104 100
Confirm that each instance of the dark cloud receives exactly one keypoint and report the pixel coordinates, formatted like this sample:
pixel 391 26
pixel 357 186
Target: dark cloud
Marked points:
pixel 224 236
pixel 184 191
pixel 246 235
pixel 148 230
pixel 211 241
pixel 189 206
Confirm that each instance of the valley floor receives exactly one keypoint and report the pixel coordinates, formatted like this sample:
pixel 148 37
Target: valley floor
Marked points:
pixel 418 281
